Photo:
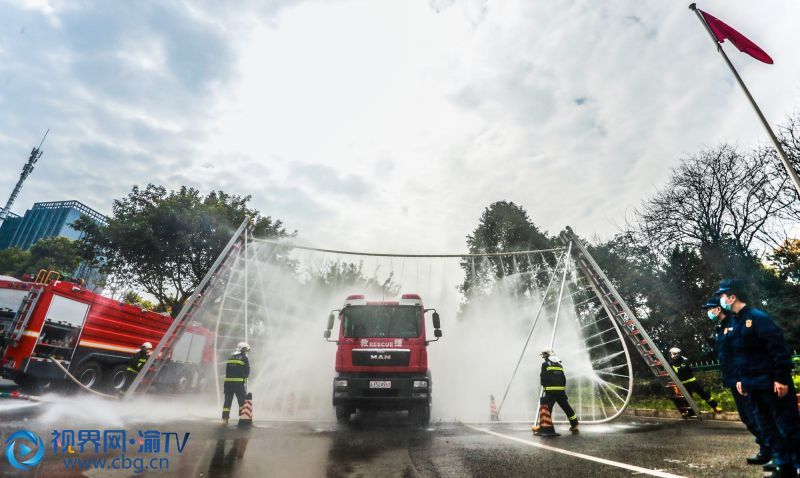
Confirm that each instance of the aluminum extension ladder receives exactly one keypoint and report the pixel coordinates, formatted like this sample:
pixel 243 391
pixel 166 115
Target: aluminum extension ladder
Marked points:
pixel 163 351
pixel 619 311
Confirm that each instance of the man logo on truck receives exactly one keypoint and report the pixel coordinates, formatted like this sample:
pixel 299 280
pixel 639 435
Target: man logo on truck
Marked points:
pixel 380 357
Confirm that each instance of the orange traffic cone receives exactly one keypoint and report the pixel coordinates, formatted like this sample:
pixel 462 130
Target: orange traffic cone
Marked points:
pixel 246 412
pixel 545 427
pixel 493 410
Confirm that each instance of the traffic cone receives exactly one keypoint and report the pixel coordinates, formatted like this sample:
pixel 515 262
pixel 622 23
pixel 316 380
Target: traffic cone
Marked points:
pixel 246 412
pixel 545 427
pixel 493 410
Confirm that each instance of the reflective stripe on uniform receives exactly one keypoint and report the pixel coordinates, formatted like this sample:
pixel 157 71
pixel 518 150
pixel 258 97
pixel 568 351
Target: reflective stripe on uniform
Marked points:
pixel 547 389
pixel 234 380
pixel 690 380
pixel 573 417
pixel 226 409
pixel 132 370
pixel 555 368
pixel 237 362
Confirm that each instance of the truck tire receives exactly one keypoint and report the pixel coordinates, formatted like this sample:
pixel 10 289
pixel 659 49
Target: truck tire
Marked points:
pixel 420 415
pixel 116 378
pixel 90 374
pixel 343 414
pixel 183 383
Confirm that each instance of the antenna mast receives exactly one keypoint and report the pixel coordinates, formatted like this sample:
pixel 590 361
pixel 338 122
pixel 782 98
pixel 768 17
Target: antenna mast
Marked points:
pixel 36 153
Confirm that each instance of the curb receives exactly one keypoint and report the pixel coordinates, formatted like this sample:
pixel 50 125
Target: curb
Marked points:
pixel 656 413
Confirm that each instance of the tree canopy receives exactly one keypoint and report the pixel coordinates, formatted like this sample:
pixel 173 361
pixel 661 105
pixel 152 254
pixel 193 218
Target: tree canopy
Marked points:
pixel 54 253
pixel 164 241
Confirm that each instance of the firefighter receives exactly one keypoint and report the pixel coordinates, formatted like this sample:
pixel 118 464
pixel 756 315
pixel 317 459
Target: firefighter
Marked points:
pixel 136 363
pixel 554 384
pixel 764 373
pixel 723 322
pixel 237 369
pixel 680 365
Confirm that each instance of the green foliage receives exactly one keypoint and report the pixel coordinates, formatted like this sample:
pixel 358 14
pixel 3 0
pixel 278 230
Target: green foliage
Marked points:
pixel 132 297
pixel 163 242
pixel 786 259
pixel 503 227
pixel 13 261
pixel 350 274
pixel 54 253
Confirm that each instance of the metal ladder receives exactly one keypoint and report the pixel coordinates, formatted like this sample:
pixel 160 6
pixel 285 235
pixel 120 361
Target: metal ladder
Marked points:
pixel 23 315
pixel 618 310
pixel 163 351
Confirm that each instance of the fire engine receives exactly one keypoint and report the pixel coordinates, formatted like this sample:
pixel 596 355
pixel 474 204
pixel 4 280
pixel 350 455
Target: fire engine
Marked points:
pixel 90 335
pixel 382 357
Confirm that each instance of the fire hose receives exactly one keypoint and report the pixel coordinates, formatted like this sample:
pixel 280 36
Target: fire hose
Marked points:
pixel 77 382
pixel 20 396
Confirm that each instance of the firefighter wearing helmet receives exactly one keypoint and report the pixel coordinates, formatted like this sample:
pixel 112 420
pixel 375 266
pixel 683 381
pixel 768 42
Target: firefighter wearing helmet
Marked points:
pixel 237 369
pixel 136 363
pixel 554 384
pixel 680 365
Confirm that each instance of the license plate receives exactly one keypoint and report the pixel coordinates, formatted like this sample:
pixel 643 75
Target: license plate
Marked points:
pixel 380 384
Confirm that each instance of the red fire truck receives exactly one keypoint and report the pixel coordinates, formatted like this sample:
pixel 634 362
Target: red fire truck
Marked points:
pixel 90 335
pixel 382 357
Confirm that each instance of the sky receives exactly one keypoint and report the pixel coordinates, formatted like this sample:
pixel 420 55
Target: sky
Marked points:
pixel 382 125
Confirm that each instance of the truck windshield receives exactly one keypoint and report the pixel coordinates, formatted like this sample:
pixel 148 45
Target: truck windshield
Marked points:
pixel 11 301
pixel 393 321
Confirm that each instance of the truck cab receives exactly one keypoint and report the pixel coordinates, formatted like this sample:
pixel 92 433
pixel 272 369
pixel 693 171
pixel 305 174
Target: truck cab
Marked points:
pixel 382 356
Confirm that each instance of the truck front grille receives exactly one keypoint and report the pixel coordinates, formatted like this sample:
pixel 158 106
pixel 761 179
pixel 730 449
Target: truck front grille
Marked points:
pixel 381 357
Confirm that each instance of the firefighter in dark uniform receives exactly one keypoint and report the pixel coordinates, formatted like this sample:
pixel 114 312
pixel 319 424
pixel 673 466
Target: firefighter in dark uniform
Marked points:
pixel 764 372
pixel 237 369
pixel 680 365
pixel 136 363
pixel 554 384
pixel 722 333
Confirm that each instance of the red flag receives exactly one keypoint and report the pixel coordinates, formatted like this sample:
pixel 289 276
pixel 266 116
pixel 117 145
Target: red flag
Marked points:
pixel 722 31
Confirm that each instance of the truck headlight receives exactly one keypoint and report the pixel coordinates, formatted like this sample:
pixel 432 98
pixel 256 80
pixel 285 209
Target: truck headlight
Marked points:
pixel 420 384
pixel 340 383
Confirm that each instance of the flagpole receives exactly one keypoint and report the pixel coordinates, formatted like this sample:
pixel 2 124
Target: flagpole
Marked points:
pixel 785 159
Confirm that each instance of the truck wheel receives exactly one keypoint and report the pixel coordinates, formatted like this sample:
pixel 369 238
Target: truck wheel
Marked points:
pixel 184 383
pixel 420 415
pixel 343 414
pixel 117 378
pixel 90 374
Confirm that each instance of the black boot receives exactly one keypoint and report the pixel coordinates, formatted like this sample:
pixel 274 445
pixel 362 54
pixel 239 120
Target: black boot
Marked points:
pixel 769 466
pixel 759 458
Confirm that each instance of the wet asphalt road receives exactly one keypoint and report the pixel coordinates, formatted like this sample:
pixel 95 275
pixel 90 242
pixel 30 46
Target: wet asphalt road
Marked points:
pixel 387 446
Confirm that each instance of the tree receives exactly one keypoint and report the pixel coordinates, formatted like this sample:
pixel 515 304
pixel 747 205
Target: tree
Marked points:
pixel 163 242
pixel 54 253
pixel 716 195
pixel 786 259
pixel 351 274
pixel 503 227
pixel 13 261
pixel 132 297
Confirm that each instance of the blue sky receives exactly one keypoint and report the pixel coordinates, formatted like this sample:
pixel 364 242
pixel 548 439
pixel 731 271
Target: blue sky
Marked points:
pixel 382 125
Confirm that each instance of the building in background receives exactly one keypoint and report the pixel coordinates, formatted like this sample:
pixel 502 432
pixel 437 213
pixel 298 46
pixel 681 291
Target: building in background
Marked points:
pixel 7 230
pixel 51 219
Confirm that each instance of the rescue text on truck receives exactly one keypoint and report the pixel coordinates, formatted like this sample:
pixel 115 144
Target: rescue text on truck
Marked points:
pixel 382 357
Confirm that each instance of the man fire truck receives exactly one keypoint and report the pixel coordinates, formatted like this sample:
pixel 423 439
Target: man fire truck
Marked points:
pixel 92 336
pixel 382 357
